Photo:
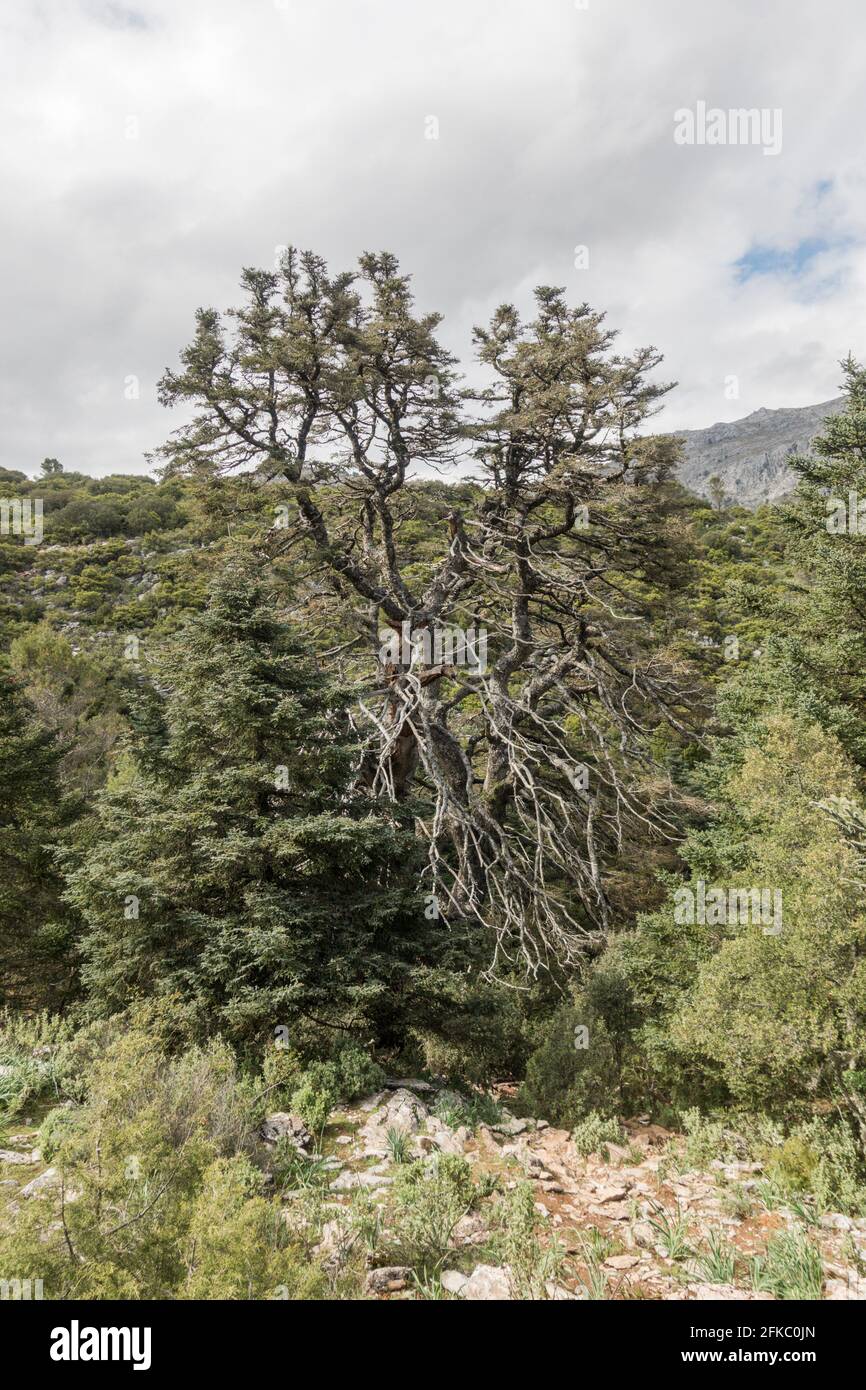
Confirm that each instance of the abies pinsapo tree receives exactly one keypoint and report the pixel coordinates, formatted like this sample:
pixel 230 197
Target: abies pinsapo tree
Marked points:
pixel 532 772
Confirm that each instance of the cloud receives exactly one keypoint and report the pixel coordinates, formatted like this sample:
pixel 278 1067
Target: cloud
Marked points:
pixel 152 149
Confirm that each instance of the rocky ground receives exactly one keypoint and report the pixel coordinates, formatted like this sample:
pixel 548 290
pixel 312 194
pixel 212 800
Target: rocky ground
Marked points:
pixel 630 1221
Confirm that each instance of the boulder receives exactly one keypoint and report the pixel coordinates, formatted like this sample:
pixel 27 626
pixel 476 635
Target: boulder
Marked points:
pixel 449 1141
pixel 402 1111
pixel 281 1125
pixel 348 1181
pixel 835 1221
pixel 487 1283
pixel 410 1083
pixel 510 1125
pixel 50 1178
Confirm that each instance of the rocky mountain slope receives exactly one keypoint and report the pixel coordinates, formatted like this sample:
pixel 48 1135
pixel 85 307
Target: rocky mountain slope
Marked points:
pixel 751 455
pixel 409 1194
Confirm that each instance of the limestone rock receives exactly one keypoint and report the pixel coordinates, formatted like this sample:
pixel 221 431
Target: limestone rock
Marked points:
pixel 281 1125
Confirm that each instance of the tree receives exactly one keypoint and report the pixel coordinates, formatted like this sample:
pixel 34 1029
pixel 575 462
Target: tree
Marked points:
pixel 50 467
pixel 769 1012
pixel 531 767
pixel 717 494
pixel 232 862
pixel 37 962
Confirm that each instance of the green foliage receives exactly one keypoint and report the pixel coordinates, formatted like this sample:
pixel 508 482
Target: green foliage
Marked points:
pixel 238 1243
pixel 592 1134
pixel 237 864
pixel 157 1194
pixel 57 1127
pixel 717 1261
pixel 429 1198
pixel 316 1095
pixel 37 932
pixel 399 1146
pixel 473 1110
pixel 584 1054
pixel 790 1267
pixel 30 1047
pixel 469 1029
pixel 533 1264
pixel 357 1073
pixel 281 1073
pixel 673 1231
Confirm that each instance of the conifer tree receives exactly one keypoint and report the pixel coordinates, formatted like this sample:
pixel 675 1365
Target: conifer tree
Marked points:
pixel 36 931
pixel 234 863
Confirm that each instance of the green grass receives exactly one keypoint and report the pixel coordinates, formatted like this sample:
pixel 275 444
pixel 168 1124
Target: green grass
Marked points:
pixel 790 1268
pixel 673 1232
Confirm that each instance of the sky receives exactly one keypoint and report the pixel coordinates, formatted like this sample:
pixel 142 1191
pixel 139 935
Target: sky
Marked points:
pixel 150 150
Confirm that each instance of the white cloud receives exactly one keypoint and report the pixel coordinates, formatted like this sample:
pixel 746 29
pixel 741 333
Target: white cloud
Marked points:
pixel 152 149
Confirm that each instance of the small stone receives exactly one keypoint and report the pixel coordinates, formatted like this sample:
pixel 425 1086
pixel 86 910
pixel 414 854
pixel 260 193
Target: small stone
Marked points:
pixel 835 1221
pixel 643 1235
pixel 388 1279
pixel 621 1261
pixel 611 1194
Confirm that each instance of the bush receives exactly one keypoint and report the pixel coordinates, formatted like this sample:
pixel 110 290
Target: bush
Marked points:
pixel 533 1266
pixel 159 1196
pixel 357 1073
pixel 571 1072
pixel 239 1247
pixel 822 1158
pixel 317 1095
pixel 476 1030
pixel 29 1046
pixel 790 1268
pixel 57 1126
pixel 281 1073
pixel 592 1134
pixel 429 1198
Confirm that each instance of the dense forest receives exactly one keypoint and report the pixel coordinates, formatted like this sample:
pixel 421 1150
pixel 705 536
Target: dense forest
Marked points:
pixel 411 723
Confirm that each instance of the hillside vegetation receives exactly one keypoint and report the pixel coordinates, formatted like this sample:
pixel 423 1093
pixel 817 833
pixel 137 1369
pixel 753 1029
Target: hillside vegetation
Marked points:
pixel 342 959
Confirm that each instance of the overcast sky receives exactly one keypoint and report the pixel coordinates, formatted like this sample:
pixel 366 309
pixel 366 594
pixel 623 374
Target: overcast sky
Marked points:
pixel 150 150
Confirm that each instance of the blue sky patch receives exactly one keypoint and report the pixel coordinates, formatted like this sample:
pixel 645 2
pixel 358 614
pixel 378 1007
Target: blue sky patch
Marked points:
pixel 788 261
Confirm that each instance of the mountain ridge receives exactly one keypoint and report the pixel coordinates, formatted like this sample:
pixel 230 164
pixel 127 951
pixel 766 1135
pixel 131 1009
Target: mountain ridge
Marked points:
pixel 751 454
